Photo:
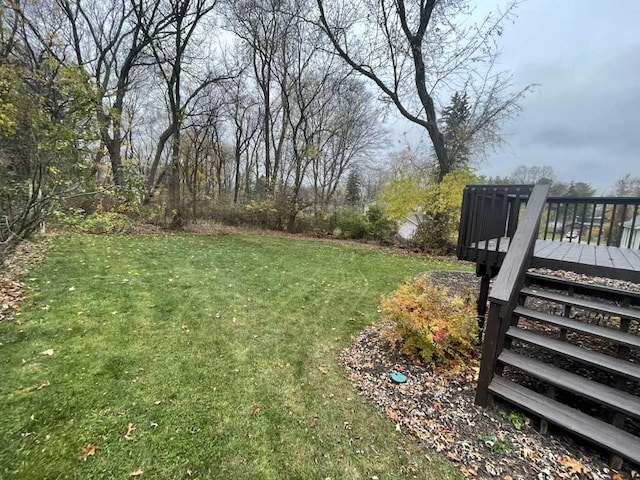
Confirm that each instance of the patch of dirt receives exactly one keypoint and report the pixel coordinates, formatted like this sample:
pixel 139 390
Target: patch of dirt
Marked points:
pixel 438 409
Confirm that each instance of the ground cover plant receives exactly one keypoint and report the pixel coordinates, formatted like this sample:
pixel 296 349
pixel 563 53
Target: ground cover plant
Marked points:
pixel 198 357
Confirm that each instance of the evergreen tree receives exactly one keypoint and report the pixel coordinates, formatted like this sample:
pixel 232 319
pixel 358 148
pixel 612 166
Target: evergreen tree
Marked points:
pixel 455 119
pixel 354 188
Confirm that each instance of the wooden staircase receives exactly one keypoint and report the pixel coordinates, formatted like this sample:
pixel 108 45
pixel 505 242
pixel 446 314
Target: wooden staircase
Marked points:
pixel 546 348
pixel 571 371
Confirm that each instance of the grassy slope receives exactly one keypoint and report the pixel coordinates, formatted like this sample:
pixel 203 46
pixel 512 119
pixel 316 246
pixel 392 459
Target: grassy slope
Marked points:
pixel 209 326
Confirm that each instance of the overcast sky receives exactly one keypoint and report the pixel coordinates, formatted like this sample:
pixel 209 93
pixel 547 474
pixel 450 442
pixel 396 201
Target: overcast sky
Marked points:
pixel 584 118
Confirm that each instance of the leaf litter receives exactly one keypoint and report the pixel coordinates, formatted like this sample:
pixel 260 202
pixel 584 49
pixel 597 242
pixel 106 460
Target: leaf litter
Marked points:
pixel 25 256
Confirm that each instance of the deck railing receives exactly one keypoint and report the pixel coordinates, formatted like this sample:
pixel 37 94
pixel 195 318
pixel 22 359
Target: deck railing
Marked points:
pixel 611 221
pixel 489 217
pixel 491 213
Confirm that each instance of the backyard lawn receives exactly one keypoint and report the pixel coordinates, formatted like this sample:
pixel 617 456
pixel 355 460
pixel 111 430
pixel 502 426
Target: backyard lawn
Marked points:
pixel 219 353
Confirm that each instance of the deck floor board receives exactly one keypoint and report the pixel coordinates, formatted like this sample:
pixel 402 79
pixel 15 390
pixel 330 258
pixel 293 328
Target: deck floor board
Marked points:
pixel 581 257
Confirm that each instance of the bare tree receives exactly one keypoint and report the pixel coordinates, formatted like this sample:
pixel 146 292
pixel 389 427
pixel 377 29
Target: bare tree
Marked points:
pixel 183 86
pixel 419 53
pixel 107 40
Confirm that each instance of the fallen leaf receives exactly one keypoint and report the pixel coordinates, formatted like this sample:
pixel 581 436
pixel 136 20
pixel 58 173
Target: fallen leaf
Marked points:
pixel 48 352
pixel 137 473
pixel 88 452
pixel 573 466
pixel 255 410
pixel 43 385
pixel 392 414
pixel 130 428
pixel 470 472
pixel 314 421
pixel 453 457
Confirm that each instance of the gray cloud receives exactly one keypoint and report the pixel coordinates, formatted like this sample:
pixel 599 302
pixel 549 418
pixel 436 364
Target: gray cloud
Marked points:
pixel 584 118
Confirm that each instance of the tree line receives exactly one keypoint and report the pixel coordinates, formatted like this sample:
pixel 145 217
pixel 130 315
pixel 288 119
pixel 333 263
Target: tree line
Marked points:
pixel 200 106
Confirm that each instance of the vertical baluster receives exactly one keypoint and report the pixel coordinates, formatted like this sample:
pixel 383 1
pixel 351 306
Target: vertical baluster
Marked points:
pixel 633 227
pixel 612 225
pixel 593 214
pixel 555 223
pixel 473 237
pixel 604 215
pixel 564 221
pixel 546 223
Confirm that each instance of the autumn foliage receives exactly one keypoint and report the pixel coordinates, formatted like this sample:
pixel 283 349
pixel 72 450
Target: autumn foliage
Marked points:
pixel 431 324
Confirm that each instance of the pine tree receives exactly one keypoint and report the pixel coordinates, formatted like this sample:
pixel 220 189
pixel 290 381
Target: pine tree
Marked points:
pixel 455 118
pixel 354 187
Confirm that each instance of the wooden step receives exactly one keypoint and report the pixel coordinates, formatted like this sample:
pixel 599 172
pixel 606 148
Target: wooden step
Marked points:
pixel 596 431
pixel 583 288
pixel 582 303
pixel 604 362
pixel 548 373
pixel 611 334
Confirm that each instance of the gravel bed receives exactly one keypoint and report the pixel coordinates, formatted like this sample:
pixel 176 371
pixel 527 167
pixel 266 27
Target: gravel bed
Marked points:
pixel 437 408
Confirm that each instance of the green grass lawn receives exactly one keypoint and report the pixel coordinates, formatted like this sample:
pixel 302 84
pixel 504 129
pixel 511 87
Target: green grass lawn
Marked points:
pixel 185 337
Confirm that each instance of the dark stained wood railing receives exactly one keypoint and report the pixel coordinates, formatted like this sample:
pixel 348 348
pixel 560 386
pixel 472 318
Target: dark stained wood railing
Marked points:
pixel 489 218
pixel 610 221
pixel 506 289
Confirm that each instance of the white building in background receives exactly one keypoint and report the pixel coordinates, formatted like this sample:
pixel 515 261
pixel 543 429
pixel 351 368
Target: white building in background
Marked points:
pixel 631 236
pixel 408 225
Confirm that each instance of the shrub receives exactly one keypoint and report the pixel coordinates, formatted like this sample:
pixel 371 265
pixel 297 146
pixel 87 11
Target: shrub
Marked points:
pixel 381 226
pixel 432 325
pixel 351 224
pixel 106 222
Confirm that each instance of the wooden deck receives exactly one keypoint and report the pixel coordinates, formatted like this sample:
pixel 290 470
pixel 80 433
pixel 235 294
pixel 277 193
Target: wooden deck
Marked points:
pixel 589 259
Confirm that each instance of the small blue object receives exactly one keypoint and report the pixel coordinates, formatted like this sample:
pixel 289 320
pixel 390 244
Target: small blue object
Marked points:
pixel 397 377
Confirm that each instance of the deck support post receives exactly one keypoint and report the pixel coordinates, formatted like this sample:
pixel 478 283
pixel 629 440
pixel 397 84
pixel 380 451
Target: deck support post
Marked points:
pixel 544 427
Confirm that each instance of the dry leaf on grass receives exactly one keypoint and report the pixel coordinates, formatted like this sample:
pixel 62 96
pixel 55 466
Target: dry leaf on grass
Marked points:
pixel 48 352
pixel 43 385
pixel 314 421
pixel 255 410
pixel 574 466
pixel 137 473
pixel 129 430
pixel 89 451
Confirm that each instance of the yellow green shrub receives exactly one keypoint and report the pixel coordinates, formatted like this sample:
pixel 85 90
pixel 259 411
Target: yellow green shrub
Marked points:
pixel 431 324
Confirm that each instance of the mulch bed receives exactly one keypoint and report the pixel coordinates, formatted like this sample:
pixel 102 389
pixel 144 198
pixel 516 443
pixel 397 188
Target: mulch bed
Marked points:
pixel 437 408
